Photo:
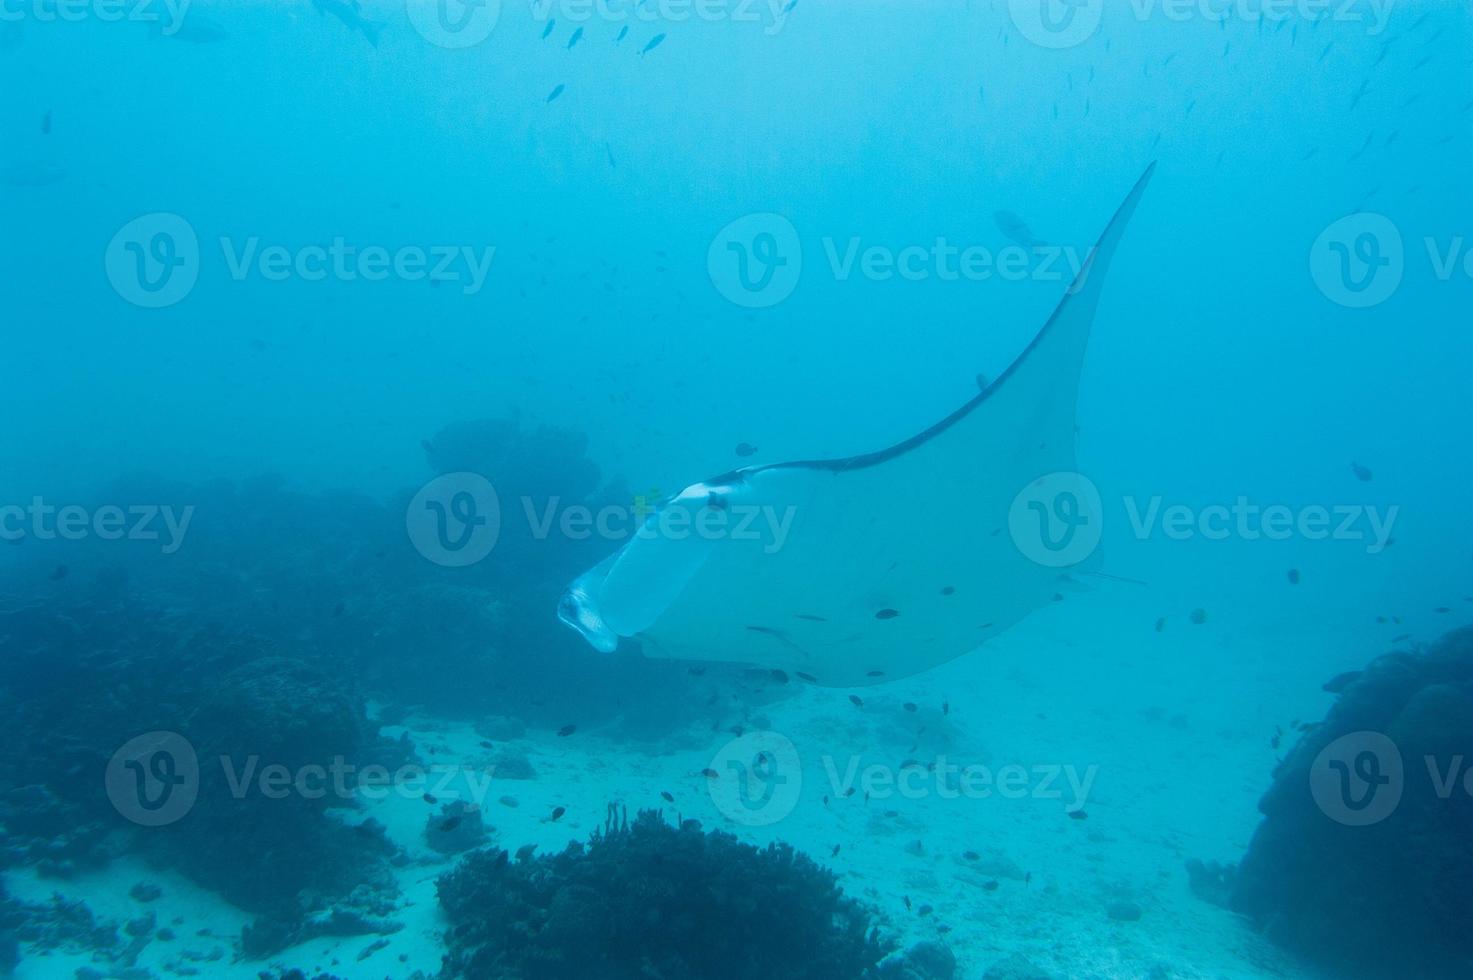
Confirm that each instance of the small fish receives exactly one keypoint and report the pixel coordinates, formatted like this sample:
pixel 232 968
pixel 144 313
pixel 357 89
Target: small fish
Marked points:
pixel 948 590
pixel 807 677
pixel 1442 609
pixel 428 798
pixel 1340 682
pixel 856 700
pixel 1016 228
pixel 971 855
pixel 1078 815
pixel 449 825
pixel 556 91
pixel 835 852
pixel 745 449
pixel 989 886
pixel 1198 617
pixel 654 43
pixel 710 773
pixel 667 797
pixel 924 911
pixel 945 707
pixel 887 614
pixel 981 382
pixel 1160 624
pixel 1362 473
pixel 60 572
pixel 547 31
pixel 1293 576
pixel 525 851
pixel 577 36
pixel 46 123
pixel 906 900
pixel 623 33
pixel 566 730
pixel 910 706
pixel 557 813
pixel 875 673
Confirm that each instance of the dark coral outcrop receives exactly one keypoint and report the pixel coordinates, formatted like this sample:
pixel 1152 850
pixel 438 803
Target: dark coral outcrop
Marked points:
pixel 648 899
pixel 1364 859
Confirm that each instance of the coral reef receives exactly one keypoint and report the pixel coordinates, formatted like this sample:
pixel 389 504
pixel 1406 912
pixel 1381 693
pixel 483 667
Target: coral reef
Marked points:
pixel 1375 885
pixel 647 899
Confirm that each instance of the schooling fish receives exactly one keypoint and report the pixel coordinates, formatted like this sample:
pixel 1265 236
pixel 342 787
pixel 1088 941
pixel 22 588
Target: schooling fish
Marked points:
pixel 556 91
pixel 577 36
pixel 1362 473
pixel 566 730
pixel 745 449
pixel 547 31
pixel 654 43
pixel 623 33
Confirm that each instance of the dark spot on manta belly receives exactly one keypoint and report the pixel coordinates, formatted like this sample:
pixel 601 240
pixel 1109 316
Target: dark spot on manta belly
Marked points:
pixel 887 614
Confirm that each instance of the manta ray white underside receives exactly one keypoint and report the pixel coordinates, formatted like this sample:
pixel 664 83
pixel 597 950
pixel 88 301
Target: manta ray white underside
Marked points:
pixel 860 570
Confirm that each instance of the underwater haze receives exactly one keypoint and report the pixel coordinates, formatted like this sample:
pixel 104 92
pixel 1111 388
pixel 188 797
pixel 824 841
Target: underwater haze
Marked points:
pixel 735 489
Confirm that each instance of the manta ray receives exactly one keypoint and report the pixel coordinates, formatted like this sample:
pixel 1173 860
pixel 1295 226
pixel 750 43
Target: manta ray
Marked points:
pixel 861 570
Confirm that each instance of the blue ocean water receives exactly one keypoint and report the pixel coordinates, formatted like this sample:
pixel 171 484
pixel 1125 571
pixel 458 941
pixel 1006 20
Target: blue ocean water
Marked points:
pixel 339 337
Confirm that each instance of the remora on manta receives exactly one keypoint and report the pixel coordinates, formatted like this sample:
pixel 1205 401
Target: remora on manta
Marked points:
pixel 853 591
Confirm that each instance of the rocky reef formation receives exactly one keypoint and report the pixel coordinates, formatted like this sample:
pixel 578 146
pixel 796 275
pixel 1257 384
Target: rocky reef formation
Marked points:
pixel 647 899
pixel 1364 859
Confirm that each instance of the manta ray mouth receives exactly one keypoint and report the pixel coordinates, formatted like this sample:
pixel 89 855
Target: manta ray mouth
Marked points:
pixel 577 612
